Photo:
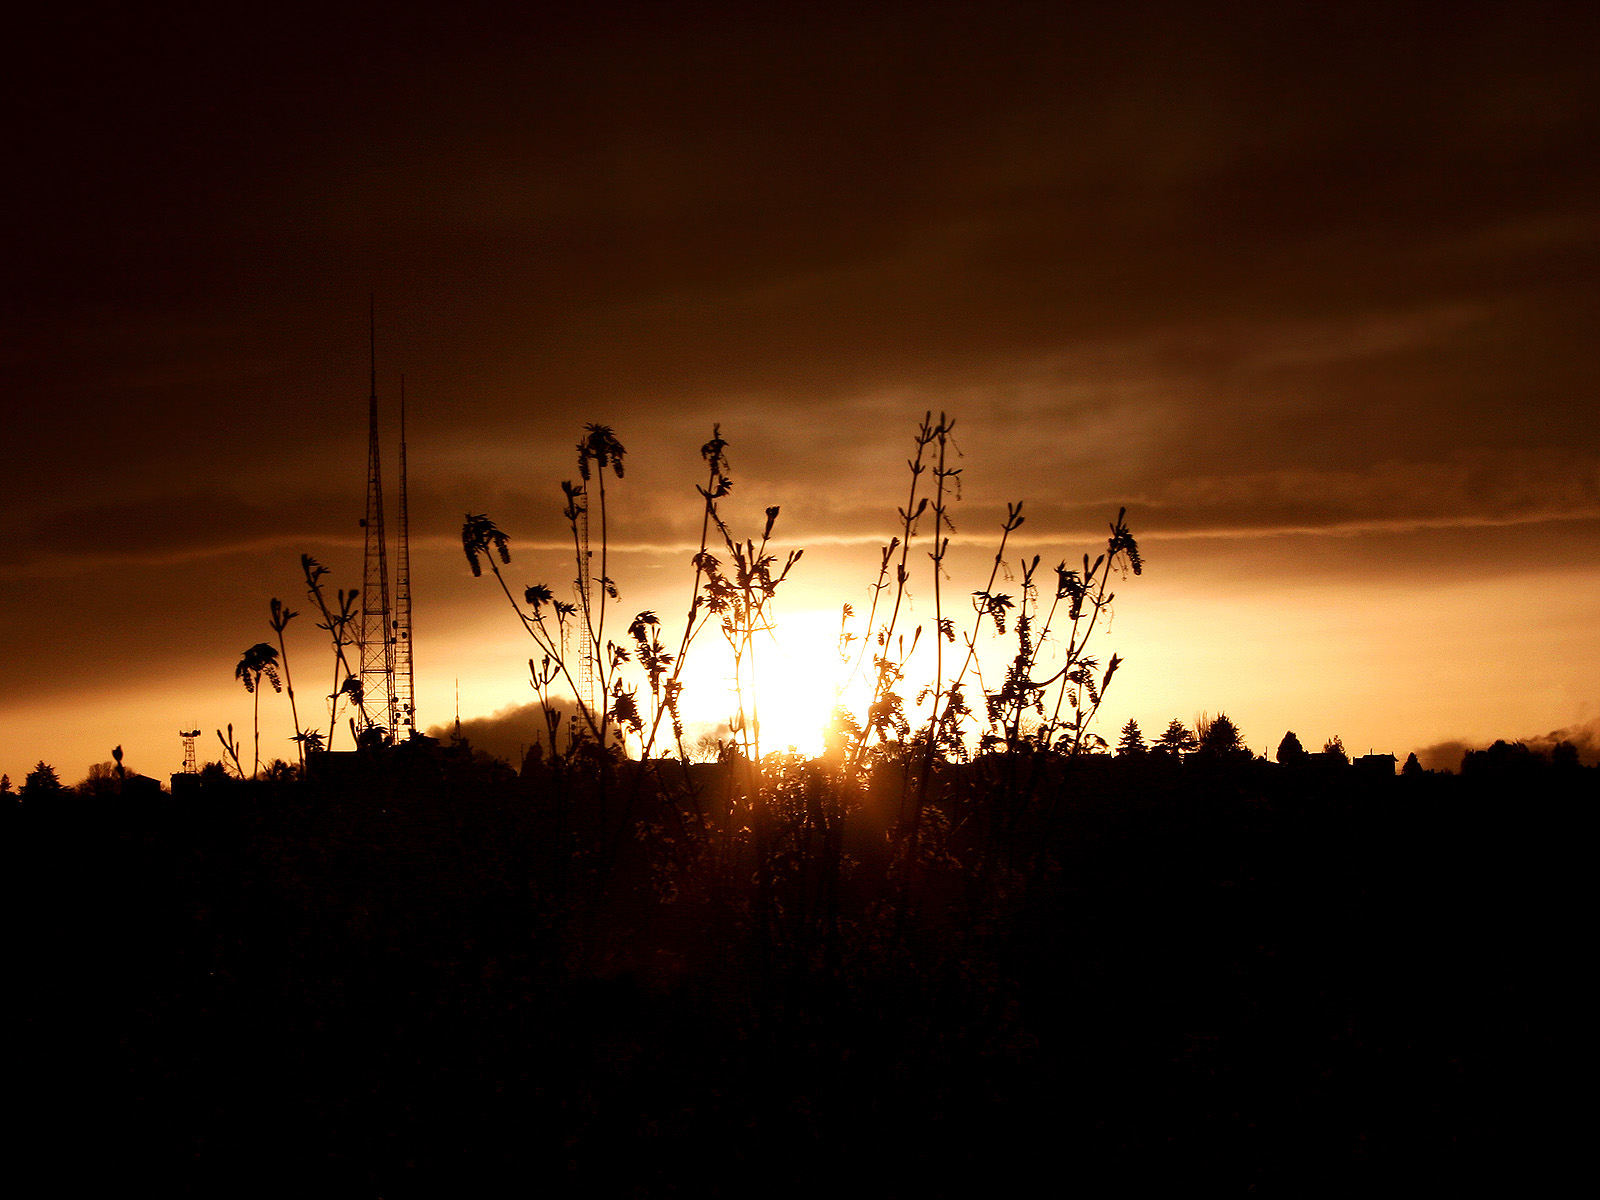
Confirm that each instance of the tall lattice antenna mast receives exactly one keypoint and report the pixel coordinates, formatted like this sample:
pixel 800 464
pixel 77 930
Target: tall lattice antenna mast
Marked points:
pixel 405 717
pixel 188 736
pixel 376 638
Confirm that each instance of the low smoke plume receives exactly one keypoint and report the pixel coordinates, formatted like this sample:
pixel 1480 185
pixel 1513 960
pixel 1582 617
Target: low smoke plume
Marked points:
pixel 1447 755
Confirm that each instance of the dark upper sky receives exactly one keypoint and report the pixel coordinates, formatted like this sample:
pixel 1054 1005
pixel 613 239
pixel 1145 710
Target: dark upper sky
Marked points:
pixel 1247 270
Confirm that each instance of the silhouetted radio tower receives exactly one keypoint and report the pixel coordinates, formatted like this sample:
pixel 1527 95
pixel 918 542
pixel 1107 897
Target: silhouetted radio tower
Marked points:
pixel 376 637
pixel 405 717
pixel 188 736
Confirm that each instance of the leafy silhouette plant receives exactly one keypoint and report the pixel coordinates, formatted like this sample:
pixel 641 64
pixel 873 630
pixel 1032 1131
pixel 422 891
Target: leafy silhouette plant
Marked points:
pixel 546 620
pixel 281 616
pixel 598 451
pixel 336 621
pixel 778 819
pixel 258 662
pixel 738 596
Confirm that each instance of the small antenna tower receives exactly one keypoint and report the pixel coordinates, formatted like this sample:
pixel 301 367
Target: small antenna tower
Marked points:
pixel 405 719
pixel 376 637
pixel 188 736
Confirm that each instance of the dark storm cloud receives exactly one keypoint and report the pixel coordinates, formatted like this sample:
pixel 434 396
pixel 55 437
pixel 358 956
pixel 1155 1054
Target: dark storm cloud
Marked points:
pixel 1246 270
pixel 168 529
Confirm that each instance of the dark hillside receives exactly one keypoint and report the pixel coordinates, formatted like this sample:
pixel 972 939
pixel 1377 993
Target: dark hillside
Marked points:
pixel 427 976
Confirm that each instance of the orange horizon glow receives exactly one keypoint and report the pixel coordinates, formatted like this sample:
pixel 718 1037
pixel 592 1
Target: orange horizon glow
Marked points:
pixel 1332 356
pixel 1386 665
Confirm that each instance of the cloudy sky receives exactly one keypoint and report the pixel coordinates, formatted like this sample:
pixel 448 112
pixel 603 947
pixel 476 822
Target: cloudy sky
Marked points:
pixel 1313 295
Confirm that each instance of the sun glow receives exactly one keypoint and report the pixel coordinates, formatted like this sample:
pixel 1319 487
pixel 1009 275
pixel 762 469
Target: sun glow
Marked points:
pixel 797 675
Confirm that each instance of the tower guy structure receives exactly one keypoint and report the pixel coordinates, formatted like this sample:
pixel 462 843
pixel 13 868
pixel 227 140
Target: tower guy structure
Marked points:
pixel 404 723
pixel 381 630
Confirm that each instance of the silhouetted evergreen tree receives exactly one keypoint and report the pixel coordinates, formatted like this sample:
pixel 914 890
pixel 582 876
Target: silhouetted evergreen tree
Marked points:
pixel 1221 739
pixel 1333 754
pixel 1176 740
pixel 1412 767
pixel 41 781
pixel 1131 744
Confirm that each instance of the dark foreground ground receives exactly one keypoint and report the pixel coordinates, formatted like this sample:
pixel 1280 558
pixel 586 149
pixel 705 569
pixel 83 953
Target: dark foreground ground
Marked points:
pixel 375 989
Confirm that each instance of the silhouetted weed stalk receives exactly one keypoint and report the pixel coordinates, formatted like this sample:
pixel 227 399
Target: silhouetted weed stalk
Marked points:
pixel 230 751
pixel 282 614
pixel 258 662
pixel 336 621
pixel 608 711
pixel 1022 712
pixel 965 775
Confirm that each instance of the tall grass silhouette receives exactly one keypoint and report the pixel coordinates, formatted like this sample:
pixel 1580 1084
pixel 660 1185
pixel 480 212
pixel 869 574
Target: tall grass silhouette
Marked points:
pixel 956 770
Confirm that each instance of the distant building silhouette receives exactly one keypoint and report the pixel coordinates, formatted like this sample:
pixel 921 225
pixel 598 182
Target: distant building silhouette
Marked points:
pixel 1375 764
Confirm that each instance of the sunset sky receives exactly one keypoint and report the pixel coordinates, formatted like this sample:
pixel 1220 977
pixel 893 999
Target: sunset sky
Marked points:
pixel 1314 296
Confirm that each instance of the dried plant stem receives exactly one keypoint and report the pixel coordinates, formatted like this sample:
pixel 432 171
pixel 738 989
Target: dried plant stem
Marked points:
pixel 943 474
pixel 1013 521
pixel 281 616
pixel 888 672
pixel 335 625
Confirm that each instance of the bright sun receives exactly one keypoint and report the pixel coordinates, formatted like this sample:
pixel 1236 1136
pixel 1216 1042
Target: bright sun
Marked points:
pixel 797 675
